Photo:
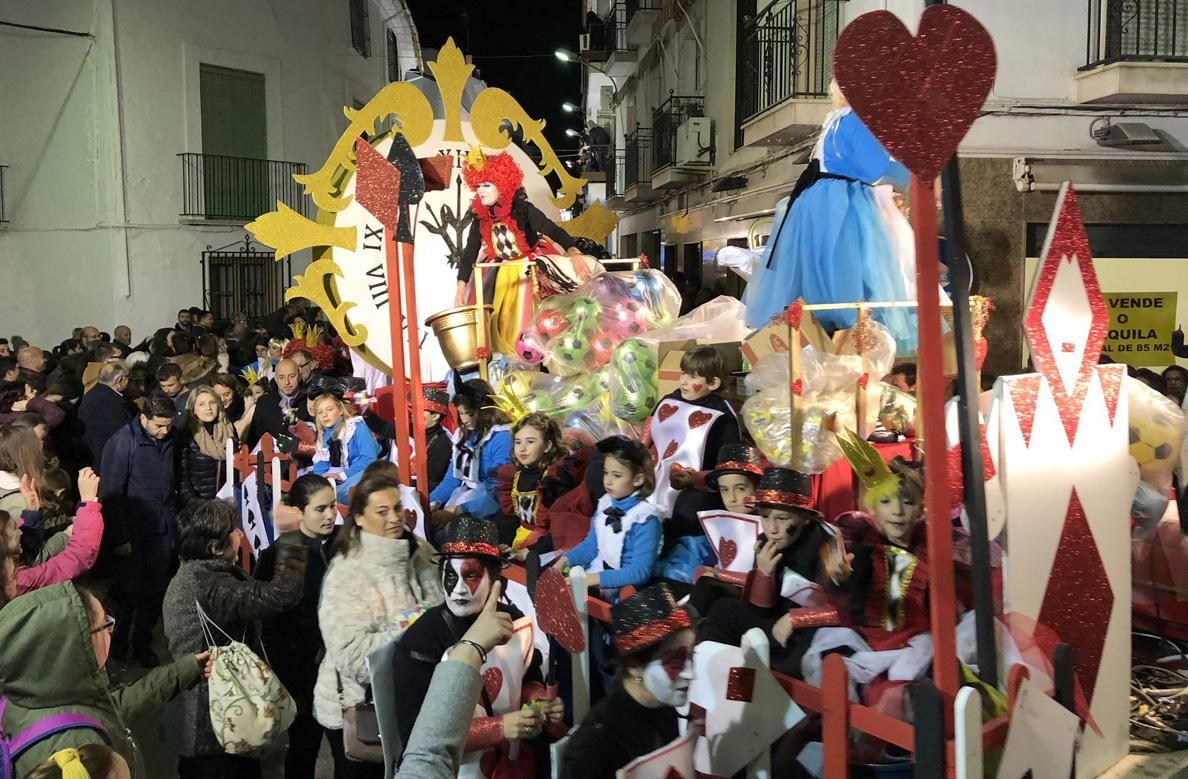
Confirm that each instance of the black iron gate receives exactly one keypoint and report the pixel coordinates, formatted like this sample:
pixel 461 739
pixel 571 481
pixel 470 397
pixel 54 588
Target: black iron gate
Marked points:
pixel 240 277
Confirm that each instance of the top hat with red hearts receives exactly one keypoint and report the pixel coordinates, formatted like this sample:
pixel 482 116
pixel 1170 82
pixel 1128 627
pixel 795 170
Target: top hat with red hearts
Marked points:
pixel 784 488
pixel 735 458
pixel 647 618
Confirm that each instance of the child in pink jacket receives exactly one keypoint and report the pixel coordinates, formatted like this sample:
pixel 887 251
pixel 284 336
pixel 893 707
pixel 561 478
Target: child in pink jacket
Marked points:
pixel 81 541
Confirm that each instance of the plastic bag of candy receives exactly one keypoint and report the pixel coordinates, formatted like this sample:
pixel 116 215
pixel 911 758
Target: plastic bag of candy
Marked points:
pixel 578 332
pixel 828 384
pixel 633 381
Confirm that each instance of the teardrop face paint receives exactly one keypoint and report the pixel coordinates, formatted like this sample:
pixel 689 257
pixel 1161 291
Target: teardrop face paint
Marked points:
pixel 467 583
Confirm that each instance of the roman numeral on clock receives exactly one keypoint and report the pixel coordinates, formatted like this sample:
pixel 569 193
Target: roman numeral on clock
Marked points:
pixel 373 234
pixel 378 287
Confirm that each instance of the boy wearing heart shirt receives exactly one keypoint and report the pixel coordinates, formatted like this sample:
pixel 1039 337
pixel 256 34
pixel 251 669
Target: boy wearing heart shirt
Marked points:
pixel 687 429
pixel 782 594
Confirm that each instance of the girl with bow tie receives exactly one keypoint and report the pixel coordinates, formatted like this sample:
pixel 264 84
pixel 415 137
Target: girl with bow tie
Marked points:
pixel 625 531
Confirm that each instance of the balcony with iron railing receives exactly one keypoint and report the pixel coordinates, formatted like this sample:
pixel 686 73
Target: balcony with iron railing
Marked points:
pixel 666 120
pixel 637 165
pixel 237 189
pixel 616 175
pixel 1136 51
pixel 625 30
pixel 3 214
pixel 783 68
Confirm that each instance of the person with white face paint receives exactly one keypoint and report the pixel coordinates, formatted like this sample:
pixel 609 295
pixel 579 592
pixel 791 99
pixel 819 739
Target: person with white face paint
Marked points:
pixel 654 640
pixel 520 706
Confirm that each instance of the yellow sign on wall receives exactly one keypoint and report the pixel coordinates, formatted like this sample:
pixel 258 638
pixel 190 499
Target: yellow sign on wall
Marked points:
pixel 1141 326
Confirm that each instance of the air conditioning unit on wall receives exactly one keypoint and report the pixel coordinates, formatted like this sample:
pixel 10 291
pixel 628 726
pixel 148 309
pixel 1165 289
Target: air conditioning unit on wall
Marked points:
pixel 695 143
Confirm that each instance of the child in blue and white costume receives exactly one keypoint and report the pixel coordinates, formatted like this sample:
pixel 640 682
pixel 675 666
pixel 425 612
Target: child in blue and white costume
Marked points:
pixel 482 443
pixel 839 238
pixel 345 445
pixel 625 531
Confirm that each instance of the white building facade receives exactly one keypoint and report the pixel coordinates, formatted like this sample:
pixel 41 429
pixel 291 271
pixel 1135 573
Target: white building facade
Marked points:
pixel 714 106
pixel 138 134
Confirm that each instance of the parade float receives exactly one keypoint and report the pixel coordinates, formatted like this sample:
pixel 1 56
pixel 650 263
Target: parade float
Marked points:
pixel 1037 472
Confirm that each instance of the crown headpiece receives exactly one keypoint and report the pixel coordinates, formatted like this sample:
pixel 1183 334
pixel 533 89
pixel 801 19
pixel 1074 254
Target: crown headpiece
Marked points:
pixel 869 466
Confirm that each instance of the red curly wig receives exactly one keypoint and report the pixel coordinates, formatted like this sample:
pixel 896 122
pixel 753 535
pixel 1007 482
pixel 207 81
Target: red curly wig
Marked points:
pixel 498 169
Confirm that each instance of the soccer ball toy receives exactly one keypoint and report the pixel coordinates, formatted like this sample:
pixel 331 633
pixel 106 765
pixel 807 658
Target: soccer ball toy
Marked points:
pixel 602 346
pixel 527 349
pixel 571 349
pixel 549 324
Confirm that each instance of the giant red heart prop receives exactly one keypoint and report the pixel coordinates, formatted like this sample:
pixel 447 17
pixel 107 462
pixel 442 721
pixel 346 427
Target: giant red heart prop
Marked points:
pixel 492 683
pixel 918 95
pixel 665 411
pixel 727 551
pixel 556 612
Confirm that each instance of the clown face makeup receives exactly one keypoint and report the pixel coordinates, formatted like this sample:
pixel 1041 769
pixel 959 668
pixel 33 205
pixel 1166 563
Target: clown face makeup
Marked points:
pixel 487 193
pixel 668 675
pixel 466 582
pixel 735 488
pixel 897 516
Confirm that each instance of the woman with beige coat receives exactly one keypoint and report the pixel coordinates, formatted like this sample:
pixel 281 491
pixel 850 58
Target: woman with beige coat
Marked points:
pixel 379 580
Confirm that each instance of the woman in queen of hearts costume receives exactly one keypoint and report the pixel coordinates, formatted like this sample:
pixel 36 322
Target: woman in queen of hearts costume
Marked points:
pixel 508 715
pixel 507 227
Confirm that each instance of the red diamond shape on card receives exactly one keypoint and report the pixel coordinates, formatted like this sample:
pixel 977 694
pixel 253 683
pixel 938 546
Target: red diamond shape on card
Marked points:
pixel 1066 308
pixel 740 684
pixel 1079 600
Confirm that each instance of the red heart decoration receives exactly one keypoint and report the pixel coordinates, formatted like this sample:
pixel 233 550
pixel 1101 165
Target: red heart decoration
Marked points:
pixel 698 418
pixel 864 380
pixel 727 551
pixel 410 519
pixel 492 683
pixel 670 450
pixel 798 387
pixel 918 95
pixel 980 349
pixel 674 774
pixel 665 411
pixel 555 610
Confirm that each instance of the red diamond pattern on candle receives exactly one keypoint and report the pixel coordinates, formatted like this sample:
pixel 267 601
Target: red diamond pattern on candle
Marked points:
pixel 1067 310
pixel 1110 377
pixel 1079 600
pixel 377 184
pixel 1024 395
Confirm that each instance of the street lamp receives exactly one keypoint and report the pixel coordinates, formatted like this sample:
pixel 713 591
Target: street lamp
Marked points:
pixel 572 133
pixel 568 107
pixel 565 55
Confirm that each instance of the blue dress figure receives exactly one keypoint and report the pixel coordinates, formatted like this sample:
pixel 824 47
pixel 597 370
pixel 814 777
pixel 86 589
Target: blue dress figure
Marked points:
pixel 837 241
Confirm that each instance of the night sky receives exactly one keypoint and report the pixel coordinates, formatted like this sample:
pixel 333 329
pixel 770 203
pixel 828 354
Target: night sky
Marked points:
pixel 492 30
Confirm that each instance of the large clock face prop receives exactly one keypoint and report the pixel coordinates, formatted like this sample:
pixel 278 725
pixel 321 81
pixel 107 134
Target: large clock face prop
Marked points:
pixel 347 278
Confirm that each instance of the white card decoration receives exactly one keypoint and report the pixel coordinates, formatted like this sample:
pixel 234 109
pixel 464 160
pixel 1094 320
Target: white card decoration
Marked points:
pixel 410 500
pixel 733 538
pixel 1042 737
pixel 746 709
pixel 671 761
pixel 1064 465
pixel 992 487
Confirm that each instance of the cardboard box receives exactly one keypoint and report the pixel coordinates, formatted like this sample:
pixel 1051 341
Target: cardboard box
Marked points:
pixel 669 354
pixel 772 338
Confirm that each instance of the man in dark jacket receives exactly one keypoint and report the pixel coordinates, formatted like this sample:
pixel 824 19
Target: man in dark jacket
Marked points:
pixel 102 412
pixel 278 409
pixel 139 495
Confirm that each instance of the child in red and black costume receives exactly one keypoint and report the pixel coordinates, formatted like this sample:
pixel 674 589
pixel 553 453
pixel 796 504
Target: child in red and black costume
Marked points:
pixel 883 604
pixel 782 594
pixel 527 487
